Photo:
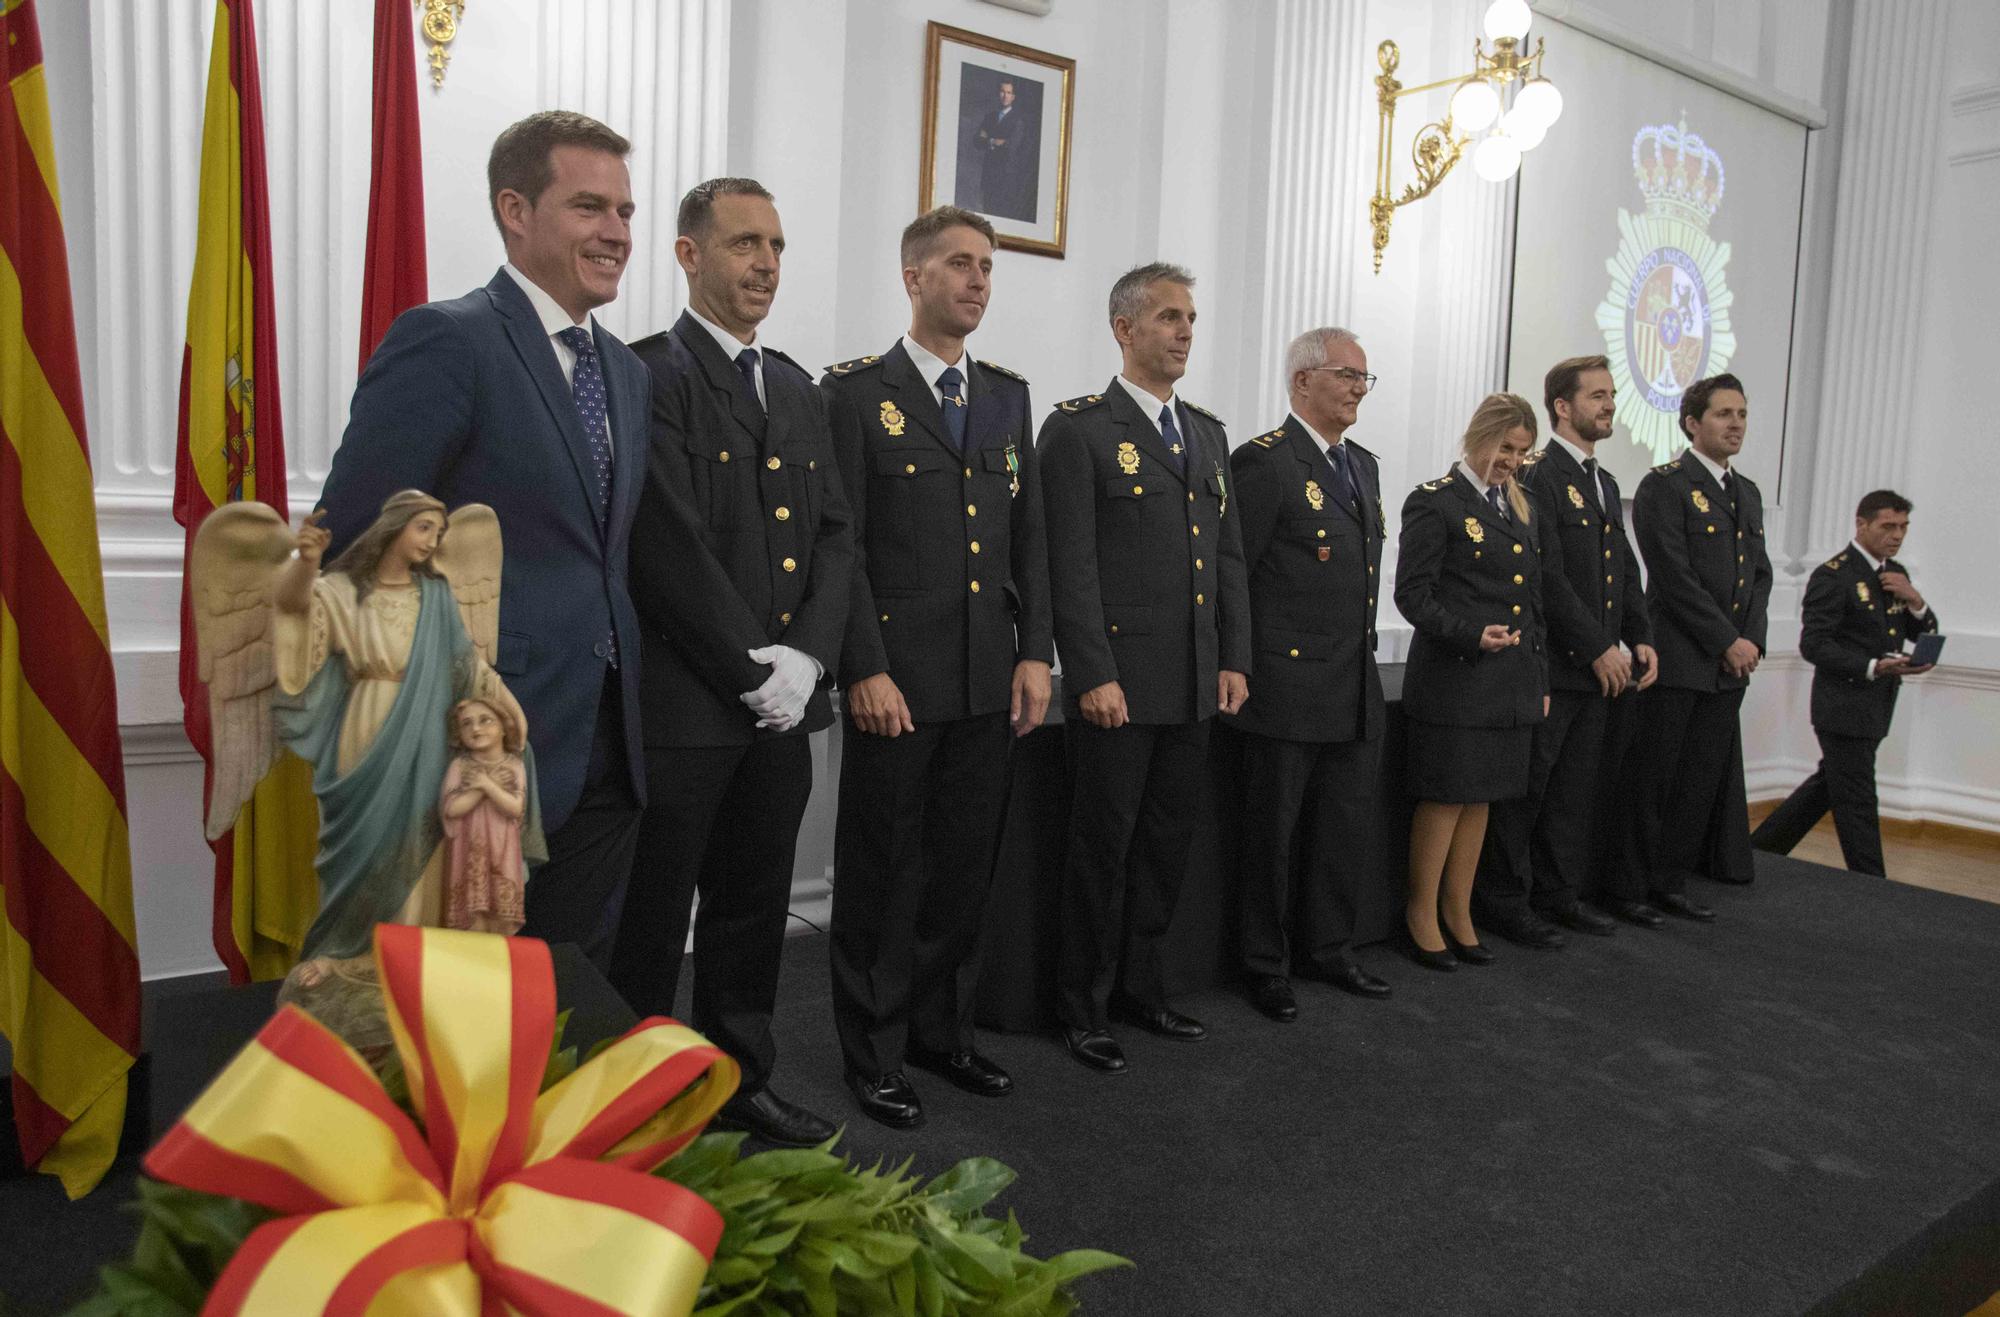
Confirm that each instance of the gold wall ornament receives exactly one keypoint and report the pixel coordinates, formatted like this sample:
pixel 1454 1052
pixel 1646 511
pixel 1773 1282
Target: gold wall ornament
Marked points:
pixel 1478 103
pixel 440 27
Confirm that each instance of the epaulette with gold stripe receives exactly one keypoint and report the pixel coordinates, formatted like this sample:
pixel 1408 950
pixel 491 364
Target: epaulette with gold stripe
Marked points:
pixel 1433 486
pixel 1838 561
pixel 1266 440
pixel 1534 457
pixel 1002 370
pixel 1084 403
pixel 849 367
pixel 1666 468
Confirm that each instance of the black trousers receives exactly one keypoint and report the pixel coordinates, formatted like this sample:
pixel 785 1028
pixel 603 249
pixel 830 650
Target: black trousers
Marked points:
pixel 1539 847
pixel 1691 817
pixel 722 821
pixel 1619 798
pixel 576 896
pixel 1133 794
pixel 918 828
pixel 1844 783
pixel 1310 835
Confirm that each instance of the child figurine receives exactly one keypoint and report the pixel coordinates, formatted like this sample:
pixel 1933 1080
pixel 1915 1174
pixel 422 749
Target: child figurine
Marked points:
pixel 481 805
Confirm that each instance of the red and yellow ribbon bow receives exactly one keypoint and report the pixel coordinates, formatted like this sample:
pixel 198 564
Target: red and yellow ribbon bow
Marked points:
pixel 505 1199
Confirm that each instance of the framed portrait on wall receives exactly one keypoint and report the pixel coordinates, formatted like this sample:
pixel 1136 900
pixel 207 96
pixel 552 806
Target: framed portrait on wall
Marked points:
pixel 997 135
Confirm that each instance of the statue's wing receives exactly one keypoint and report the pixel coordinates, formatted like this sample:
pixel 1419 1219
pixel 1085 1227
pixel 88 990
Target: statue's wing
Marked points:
pixel 469 558
pixel 232 566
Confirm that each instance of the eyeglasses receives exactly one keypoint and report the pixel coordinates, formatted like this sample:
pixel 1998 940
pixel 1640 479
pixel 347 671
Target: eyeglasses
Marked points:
pixel 1349 376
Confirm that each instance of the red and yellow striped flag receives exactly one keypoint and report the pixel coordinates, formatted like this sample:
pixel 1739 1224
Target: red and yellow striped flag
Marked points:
pixel 232 447
pixel 69 973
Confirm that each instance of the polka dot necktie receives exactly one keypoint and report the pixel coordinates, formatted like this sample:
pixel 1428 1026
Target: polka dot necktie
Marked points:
pixel 587 387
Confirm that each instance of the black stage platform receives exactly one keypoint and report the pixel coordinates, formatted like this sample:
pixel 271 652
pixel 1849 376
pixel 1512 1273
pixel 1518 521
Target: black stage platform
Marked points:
pixel 1791 1110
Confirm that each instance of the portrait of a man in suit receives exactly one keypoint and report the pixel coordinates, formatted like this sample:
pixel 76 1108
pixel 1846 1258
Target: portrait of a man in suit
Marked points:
pixel 1000 143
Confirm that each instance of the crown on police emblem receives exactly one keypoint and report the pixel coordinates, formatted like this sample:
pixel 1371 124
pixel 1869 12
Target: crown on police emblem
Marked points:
pixel 1679 173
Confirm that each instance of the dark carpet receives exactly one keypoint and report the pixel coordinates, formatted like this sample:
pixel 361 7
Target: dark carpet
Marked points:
pixel 1793 1109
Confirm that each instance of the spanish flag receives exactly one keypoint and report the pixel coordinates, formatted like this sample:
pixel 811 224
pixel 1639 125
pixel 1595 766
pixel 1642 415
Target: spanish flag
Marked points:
pixel 69 974
pixel 232 446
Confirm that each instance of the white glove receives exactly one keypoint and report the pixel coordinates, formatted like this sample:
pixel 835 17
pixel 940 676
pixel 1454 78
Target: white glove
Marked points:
pixel 781 701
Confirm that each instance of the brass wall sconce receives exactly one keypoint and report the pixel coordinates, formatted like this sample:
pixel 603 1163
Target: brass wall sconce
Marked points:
pixel 1478 105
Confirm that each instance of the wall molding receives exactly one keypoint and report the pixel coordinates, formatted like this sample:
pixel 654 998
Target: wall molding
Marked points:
pixel 1976 99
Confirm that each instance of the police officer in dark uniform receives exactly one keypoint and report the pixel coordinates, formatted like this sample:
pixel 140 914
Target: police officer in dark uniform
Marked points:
pixel 1469 579
pixel 1701 530
pixel 1540 848
pixel 1152 621
pixel 1312 528
pixel 741 560
pixel 946 660
pixel 1859 609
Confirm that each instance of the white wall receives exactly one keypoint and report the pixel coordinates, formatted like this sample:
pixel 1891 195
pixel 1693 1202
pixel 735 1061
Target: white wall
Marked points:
pixel 1234 136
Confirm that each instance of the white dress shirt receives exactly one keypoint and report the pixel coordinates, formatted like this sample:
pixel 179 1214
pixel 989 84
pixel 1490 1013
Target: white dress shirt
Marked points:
pixel 1582 457
pixel 930 365
pixel 1151 405
pixel 732 347
pixel 1715 468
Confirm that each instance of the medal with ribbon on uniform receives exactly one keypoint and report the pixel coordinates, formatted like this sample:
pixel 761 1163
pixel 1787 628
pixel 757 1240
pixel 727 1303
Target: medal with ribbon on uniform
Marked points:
pixel 1128 459
pixel 1222 491
pixel 1013 472
pixel 1315 496
pixel 892 419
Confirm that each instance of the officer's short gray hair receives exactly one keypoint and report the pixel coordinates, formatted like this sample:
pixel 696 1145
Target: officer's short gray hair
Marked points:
pixel 1312 348
pixel 1128 295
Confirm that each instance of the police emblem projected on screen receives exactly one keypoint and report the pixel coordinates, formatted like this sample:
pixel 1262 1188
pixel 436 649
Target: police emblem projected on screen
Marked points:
pixel 1665 318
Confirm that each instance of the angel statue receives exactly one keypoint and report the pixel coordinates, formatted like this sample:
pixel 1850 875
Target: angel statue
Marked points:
pixel 357 669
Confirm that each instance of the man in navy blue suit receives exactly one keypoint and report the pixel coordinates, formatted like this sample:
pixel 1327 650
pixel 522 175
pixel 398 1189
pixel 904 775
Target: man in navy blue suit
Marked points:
pixel 513 396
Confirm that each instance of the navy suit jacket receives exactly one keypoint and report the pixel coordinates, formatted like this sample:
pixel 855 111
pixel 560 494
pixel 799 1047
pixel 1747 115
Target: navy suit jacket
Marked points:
pixel 465 400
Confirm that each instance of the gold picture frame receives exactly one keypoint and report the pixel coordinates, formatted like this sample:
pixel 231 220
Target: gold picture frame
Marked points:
pixel 989 103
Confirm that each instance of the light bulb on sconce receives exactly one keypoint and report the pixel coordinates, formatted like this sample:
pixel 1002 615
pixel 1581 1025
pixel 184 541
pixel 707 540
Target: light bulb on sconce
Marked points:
pixel 1507 20
pixel 1539 99
pixel 1524 130
pixel 1497 158
pixel 1475 105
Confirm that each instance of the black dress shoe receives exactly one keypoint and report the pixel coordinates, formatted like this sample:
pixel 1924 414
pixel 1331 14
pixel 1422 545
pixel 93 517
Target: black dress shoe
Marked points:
pixel 769 1117
pixel 1527 930
pixel 967 1070
pixel 1636 912
pixel 1273 996
pixel 887 1100
pixel 1472 953
pixel 1161 1020
pixel 1350 977
pixel 1584 920
pixel 1096 1049
pixel 1437 960
pixel 1684 906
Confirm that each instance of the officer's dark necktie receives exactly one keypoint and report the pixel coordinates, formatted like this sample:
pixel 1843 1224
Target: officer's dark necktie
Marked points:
pixel 1337 454
pixel 1499 503
pixel 954 405
pixel 1596 485
pixel 586 385
pixel 746 366
pixel 1171 434
pixel 1729 487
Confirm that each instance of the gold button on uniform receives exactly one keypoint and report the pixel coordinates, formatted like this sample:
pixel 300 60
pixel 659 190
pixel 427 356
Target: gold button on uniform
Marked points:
pixel 722 456
pixel 1198 599
pixel 975 546
pixel 971 509
pixel 968 473
pixel 1138 489
pixel 1295 653
pixel 1607 553
pixel 1711 530
pixel 1322 535
pixel 909 468
pixel 783 514
pixel 1196 530
pixel 885 617
pixel 1114 628
pixel 784 617
pixel 1739 580
pixel 1517 608
pixel 1607 580
pixel 1517 548
pixel 975 587
pixel 1190 496
pixel 774 463
pixel 1518 578
pixel 791 564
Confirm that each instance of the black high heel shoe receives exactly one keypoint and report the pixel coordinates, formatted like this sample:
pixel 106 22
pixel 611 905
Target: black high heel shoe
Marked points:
pixel 1470 953
pixel 1437 960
